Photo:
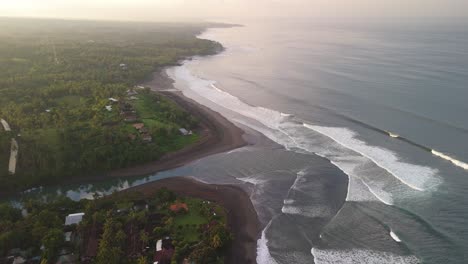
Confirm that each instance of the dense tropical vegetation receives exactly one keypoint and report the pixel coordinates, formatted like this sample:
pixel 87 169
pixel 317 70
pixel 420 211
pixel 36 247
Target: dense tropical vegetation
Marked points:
pixel 120 228
pixel 55 80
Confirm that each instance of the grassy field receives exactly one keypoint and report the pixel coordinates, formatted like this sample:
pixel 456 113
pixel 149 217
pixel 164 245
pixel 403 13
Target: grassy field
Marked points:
pixel 156 113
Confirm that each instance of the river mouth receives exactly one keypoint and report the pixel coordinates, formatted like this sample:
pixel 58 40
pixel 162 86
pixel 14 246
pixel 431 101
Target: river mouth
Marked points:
pixel 326 188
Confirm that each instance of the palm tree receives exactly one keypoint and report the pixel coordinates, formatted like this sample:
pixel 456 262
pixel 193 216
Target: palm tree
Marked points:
pixel 144 237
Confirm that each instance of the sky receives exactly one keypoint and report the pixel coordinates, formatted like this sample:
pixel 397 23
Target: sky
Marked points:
pixel 156 10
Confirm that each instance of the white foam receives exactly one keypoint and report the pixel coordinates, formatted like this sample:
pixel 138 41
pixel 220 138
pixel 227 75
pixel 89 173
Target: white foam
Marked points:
pixel 358 256
pixel 414 176
pixel 308 211
pixel 290 206
pixel 263 253
pixel 394 236
pixel 332 143
pixel 252 180
pixel 456 162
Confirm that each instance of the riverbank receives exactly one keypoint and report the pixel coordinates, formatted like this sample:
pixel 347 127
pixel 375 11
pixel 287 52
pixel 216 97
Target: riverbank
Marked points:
pixel 242 217
pixel 217 134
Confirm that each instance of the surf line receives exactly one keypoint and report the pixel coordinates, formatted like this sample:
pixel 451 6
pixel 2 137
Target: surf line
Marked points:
pixel 454 161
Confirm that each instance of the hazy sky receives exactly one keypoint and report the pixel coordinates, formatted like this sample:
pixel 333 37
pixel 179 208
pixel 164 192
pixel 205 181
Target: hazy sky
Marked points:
pixel 177 9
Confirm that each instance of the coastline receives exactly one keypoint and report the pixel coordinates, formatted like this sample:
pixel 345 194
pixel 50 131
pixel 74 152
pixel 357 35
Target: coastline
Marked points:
pixel 242 217
pixel 217 134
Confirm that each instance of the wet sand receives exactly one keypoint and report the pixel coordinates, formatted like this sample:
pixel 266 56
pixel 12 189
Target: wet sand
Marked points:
pixel 242 217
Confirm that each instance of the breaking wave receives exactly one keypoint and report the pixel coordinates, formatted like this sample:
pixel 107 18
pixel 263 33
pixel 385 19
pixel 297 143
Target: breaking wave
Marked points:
pixel 395 237
pixel 456 162
pixel 263 253
pixel 385 159
pixel 379 170
pixel 358 256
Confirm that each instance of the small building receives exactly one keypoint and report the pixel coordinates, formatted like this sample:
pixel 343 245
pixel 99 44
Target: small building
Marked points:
pixel 159 245
pixel 184 131
pixel 113 100
pixel 177 207
pixel 164 255
pixel 138 126
pixel 19 260
pixel 109 108
pixel 73 219
pixel 123 66
pixel 131 92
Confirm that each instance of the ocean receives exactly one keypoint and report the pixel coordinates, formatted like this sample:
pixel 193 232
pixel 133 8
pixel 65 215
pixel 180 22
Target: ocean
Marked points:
pixel 357 131
pixel 366 152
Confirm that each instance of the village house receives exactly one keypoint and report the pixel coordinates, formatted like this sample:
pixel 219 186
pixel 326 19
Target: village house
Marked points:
pixel 138 126
pixel 73 219
pixel 164 251
pixel 131 92
pixel 144 132
pixel 113 100
pixel 185 132
pixel 177 207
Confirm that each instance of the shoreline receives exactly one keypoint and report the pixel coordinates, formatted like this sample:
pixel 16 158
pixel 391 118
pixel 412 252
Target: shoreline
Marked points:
pixel 217 134
pixel 242 217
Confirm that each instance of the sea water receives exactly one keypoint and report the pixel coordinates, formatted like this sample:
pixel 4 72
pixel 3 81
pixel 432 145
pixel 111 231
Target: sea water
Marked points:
pixel 382 104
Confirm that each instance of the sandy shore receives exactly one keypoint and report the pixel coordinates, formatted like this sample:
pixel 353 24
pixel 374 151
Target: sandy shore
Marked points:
pixel 217 133
pixel 242 217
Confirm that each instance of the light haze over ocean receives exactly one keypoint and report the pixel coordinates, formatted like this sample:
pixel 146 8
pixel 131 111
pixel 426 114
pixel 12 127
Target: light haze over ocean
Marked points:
pixel 371 111
pixel 374 99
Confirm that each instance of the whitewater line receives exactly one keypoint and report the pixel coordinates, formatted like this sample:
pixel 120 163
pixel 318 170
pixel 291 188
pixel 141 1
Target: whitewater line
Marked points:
pixel 297 145
pixel 393 135
pixel 263 253
pixel 363 154
pixel 337 165
pixel 395 237
pixel 286 144
pixel 456 162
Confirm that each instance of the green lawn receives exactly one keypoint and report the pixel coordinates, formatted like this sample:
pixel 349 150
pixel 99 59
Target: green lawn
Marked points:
pixel 188 224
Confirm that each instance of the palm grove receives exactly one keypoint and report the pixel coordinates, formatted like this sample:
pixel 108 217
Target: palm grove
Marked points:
pixel 56 78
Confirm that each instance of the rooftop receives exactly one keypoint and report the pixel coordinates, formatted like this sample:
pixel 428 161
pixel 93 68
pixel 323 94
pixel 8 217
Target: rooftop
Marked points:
pixel 74 218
